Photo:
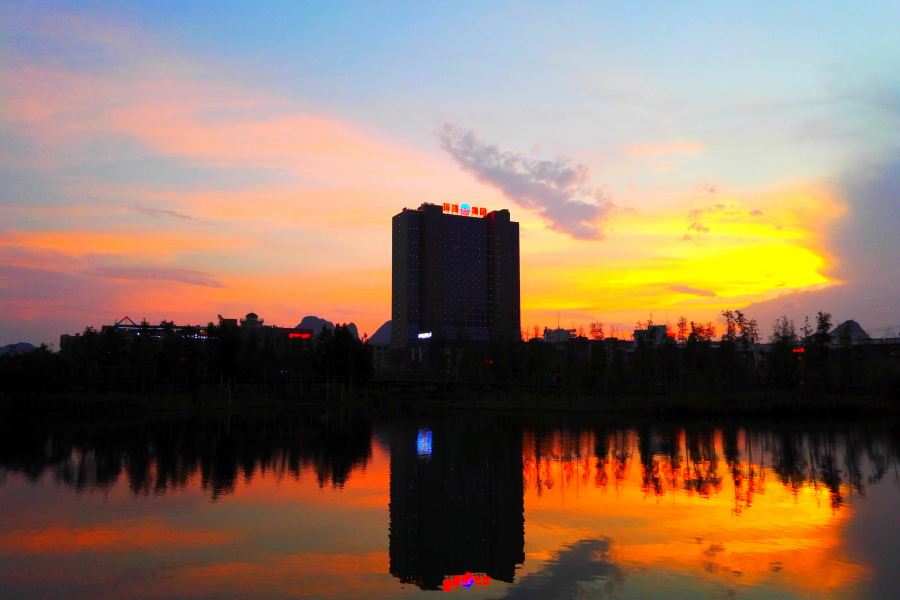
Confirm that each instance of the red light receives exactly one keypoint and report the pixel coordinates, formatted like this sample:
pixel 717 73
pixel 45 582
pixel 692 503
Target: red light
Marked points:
pixel 466 581
pixel 799 349
pixel 302 336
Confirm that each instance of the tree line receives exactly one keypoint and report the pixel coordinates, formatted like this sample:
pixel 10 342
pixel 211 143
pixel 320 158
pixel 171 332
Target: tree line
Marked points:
pixel 218 357
pixel 686 359
pixel 690 357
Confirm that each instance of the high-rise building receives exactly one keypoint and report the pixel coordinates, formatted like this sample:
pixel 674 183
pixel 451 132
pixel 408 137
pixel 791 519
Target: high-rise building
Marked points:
pixel 455 274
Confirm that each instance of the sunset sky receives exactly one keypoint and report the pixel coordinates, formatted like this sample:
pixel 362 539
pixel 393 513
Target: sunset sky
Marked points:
pixel 173 160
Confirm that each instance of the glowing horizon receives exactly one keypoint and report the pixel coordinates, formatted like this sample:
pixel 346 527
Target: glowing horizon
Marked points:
pixel 149 178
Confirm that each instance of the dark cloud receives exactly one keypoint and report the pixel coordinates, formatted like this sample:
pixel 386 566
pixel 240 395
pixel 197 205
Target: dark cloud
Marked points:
pixel 157 213
pixel 690 290
pixel 583 562
pixel 162 273
pixel 36 285
pixel 44 293
pixel 709 188
pixel 728 210
pixel 698 212
pixel 558 191
pixel 867 256
pixel 38 303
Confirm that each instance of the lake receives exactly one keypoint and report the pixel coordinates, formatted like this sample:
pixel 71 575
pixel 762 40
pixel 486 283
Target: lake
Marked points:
pixel 351 504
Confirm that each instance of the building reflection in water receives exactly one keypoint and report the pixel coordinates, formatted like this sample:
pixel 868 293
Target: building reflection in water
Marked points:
pixel 456 500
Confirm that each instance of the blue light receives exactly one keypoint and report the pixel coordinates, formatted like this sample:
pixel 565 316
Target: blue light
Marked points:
pixel 423 443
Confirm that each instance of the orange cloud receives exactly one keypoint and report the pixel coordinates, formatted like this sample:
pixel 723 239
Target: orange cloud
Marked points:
pixel 135 244
pixel 663 149
pixel 63 539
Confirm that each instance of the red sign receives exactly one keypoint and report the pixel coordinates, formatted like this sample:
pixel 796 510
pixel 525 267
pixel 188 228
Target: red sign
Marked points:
pixel 460 209
pixel 466 581
pixel 298 335
pixel 799 349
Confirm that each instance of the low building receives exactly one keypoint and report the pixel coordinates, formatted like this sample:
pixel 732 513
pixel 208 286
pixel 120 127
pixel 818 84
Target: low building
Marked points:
pixel 558 336
pixel 249 325
pixel 654 335
pixel 380 356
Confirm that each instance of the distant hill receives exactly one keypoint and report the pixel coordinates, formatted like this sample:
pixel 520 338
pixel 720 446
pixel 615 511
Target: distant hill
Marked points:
pixel 382 337
pixel 857 333
pixel 16 348
pixel 316 324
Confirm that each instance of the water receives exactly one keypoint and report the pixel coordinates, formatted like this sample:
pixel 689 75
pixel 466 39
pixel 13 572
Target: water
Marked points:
pixel 348 505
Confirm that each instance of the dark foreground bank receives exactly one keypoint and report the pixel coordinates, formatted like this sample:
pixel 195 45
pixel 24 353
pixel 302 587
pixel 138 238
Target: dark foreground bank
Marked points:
pixel 438 398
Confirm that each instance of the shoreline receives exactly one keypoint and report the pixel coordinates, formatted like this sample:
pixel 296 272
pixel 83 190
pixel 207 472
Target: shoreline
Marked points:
pixel 777 405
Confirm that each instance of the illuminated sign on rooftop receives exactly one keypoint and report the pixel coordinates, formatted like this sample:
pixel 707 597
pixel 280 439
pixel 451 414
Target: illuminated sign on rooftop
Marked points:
pixel 425 336
pixel 465 210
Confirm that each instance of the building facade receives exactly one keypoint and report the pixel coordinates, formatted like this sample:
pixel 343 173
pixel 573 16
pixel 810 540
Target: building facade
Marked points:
pixel 455 275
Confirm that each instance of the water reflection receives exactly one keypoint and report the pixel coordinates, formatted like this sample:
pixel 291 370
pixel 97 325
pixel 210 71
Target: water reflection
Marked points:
pixel 740 510
pixel 456 500
pixel 161 455
pixel 835 460
pixel 346 504
pixel 572 568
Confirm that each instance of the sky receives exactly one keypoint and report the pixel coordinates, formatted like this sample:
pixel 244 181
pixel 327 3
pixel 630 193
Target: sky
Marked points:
pixel 181 161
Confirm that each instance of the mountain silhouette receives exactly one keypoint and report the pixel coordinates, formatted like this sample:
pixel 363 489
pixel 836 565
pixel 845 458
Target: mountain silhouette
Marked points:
pixel 16 348
pixel 316 323
pixel 382 337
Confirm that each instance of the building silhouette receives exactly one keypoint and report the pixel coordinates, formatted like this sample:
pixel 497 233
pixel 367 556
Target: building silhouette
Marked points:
pixel 251 325
pixel 455 275
pixel 456 501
